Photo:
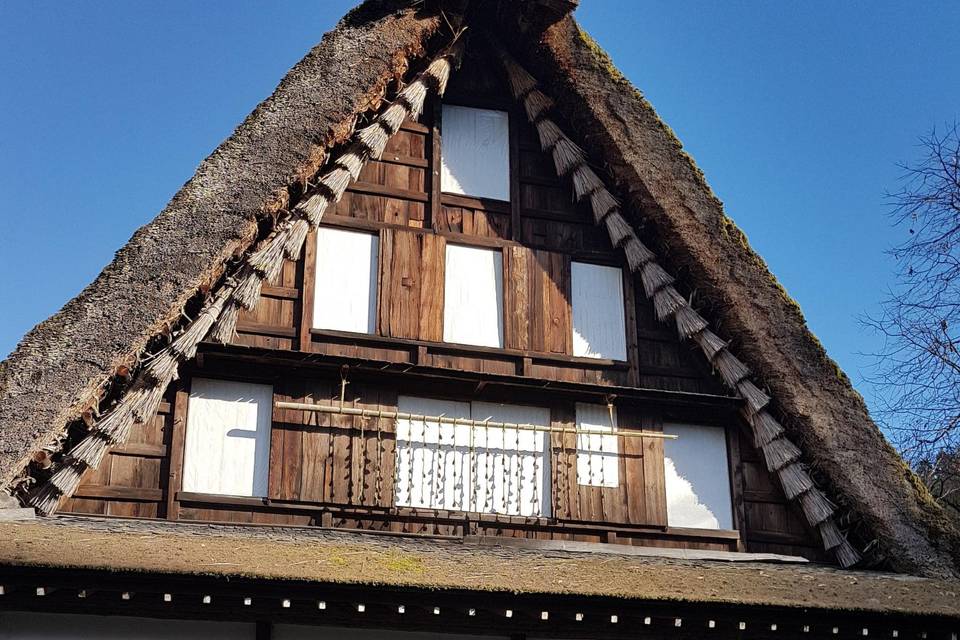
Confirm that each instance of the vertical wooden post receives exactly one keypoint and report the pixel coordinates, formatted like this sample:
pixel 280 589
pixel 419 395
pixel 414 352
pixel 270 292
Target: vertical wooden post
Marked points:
pixel 181 401
pixel 434 209
pixel 513 121
pixel 264 630
pixel 630 303
pixel 307 289
pixel 735 466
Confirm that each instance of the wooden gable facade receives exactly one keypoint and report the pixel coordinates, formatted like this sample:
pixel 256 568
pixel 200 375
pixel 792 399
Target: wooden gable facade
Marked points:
pixel 342 471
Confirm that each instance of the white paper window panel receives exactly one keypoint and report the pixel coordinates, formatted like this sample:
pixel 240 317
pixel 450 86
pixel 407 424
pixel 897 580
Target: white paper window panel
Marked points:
pixel 473 296
pixel 599 328
pixel 345 293
pixel 697 477
pixel 506 471
pixel 302 632
pixel 63 626
pixel 227 444
pixel 475 152
pixel 598 456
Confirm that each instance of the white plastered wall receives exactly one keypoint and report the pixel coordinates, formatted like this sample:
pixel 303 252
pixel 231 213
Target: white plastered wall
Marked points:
pixel 345 292
pixel 227 442
pixel 599 327
pixel 697 477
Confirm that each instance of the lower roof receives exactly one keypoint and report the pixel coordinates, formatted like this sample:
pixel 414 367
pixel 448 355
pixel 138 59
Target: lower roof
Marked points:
pixel 339 557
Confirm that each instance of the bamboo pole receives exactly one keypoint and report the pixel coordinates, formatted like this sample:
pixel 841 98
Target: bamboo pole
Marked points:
pixel 400 415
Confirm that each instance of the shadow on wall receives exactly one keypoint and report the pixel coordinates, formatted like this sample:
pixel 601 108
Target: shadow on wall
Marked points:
pixel 697 477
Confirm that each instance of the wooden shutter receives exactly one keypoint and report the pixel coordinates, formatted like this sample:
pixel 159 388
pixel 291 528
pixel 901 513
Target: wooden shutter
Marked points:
pixel 411 285
pixel 639 497
pixel 537 299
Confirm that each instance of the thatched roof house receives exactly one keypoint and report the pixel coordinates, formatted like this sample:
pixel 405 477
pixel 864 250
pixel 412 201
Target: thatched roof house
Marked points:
pixel 222 263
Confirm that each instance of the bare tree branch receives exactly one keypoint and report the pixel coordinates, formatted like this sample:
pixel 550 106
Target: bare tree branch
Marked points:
pixel 918 367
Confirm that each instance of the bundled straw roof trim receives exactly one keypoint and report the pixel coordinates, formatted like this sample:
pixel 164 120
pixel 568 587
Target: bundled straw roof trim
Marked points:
pixel 780 454
pixel 263 263
pixel 536 104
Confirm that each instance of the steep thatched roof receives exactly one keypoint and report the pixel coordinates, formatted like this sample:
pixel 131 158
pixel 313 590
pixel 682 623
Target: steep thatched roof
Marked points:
pixel 56 371
pixel 317 555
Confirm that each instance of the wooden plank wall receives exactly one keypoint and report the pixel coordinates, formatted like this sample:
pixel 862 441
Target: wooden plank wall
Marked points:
pixel 327 476
pixel 132 479
pixel 321 474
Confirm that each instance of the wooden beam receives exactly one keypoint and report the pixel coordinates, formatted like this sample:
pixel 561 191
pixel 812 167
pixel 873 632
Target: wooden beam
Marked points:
pixel 177 435
pixel 140 449
pixel 136 494
pixel 261 329
pixel 391 192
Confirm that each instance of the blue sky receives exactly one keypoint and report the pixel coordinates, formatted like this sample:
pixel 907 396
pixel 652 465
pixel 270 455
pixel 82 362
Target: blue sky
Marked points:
pixel 797 112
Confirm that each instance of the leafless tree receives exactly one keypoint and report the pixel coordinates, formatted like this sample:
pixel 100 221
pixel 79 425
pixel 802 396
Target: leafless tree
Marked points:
pixel 918 368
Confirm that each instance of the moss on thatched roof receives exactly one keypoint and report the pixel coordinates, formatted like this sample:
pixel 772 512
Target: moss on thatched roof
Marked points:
pixel 359 558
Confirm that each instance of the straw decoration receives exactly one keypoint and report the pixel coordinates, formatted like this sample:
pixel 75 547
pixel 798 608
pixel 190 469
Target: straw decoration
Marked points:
pixel 765 427
pixel 637 253
pixel 225 328
pixel 374 139
pixel 413 97
pixel 585 182
pixel 618 228
pixel 666 301
pixel 710 343
pixel 392 119
pixel 816 507
pixel 549 134
pixel 520 81
pixel 537 104
pixel 653 278
pixel 356 155
pixel 91 450
pixel 602 202
pixel 295 239
pixel 313 208
pixel 730 368
pixel 830 533
pixel 689 322
pixel 268 259
pixel 794 480
pixel 567 156
pixel 337 180
pixel 779 452
pixel 755 397
pixel 846 554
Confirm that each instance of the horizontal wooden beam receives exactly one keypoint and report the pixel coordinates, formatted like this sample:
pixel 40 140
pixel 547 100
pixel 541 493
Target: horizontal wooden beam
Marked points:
pixel 134 494
pixel 390 192
pixel 266 360
pixel 140 449
pixel 480 204
pixel 406 161
pixel 266 329
pixel 287 293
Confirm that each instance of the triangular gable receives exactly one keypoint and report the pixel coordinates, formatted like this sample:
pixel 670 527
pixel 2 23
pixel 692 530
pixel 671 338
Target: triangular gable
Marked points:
pixel 657 182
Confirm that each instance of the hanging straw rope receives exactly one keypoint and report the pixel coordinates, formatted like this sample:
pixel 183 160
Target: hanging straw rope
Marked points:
pixel 781 455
